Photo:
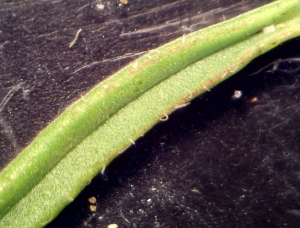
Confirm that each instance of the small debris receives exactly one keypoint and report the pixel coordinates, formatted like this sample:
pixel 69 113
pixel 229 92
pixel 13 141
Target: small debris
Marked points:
pixel 165 118
pixel 93 208
pixel 254 99
pixel 149 201
pixel 269 29
pixel 100 6
pixel 182 105
pixel 122 216
pixel 112 226
pixel 92 200
pixel 195 190
pixel 237 94
pixel 75 38
pixel 124 1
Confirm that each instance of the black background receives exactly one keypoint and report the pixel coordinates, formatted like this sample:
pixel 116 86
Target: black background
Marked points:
pixel 219 162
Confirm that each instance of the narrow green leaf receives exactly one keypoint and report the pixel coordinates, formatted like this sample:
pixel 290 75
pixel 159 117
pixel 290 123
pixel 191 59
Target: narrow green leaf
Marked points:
pixel 89 134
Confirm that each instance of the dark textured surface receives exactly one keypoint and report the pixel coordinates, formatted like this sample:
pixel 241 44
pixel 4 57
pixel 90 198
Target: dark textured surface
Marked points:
pixel 219 162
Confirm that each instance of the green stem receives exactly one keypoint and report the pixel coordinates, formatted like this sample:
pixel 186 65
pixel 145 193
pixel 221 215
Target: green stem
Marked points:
pixel 90 133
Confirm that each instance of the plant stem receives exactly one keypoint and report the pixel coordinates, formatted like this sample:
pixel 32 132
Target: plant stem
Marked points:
pixel 90 133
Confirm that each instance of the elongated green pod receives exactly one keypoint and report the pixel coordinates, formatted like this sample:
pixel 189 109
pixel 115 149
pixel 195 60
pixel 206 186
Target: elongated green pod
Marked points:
pixel 95 129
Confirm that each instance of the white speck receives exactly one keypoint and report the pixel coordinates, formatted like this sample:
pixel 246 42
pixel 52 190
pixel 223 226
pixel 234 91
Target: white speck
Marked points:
pixel 103 170
pixel 237 94
pixel 141 212
pixel 112 226
pixel 132 142
pixel 269 29
pixel 207 89
pixel 195 190
pixel 100 6
pixel 224 75
pixel 182 105
pixel 149 201
pixel 153 189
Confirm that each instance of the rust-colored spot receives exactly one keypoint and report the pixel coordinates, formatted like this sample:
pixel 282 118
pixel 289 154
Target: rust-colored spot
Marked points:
pixel 254 99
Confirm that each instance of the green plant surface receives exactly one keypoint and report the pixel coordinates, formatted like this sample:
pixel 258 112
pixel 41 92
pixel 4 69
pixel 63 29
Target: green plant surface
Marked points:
pixel 94 130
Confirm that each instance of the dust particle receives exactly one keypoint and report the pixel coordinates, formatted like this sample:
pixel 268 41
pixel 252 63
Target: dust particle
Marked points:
pixel 100 6
pixel 112 226
pixel 93 207
pixel 92 200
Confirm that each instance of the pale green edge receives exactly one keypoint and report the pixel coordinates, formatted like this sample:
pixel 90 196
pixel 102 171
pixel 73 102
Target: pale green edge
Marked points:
pixel 71 175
